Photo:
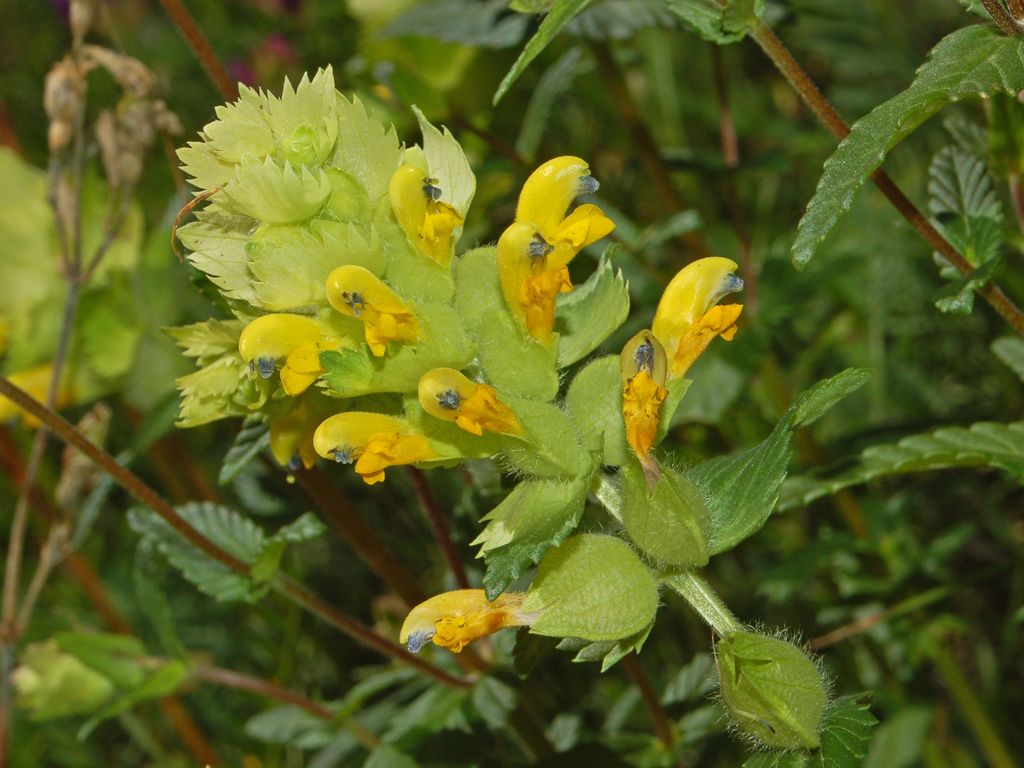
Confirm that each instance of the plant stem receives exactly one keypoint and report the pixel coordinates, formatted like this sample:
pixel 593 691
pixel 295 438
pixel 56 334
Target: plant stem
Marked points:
pixel 703 599
pixel 662 724
pixel 826 113
pixel 1003 20
pixel 859 626
pixel 1017 9
pixel 282 584
pixel 345 521
pixel 232 679
pixel 981 725
pixel 442 534
pixel 197 41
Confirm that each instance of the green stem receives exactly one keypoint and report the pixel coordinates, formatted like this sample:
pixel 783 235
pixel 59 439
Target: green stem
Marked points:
pixel 981 725
pixel 703 599
pixel 815 100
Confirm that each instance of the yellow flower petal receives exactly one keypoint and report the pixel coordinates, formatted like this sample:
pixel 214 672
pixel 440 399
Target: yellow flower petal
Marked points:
pixel 537 299
pixel 454 619
pixel 373 441
pixel 291 436
pixel 447 394
pixel 683 323
pixel 35 381
pixel 358 293
pixel 428 223
pixel 293 342
pixel 643 365
pixel 550 190
pixel 585 225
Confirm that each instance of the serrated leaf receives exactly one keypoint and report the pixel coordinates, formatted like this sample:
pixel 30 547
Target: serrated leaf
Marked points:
pixel 963 201
pixel 217 242
pixel 469 22
pixel 562 11
pixel 743 489
pixel 537 515
pixel 971 62
pixel 1010 349
pixel 608 652
pixel 669 521
pixel 620 19
pixel 369 151
pixel 593 587
pixel 447 162
pixel 594 401
pixel 304 118
pixel 549 445
pixel 291 725
pixel 714 21
pixel 274 193
pixel 209 340
pixel 587 316
pixel 253 437
pixel 986 444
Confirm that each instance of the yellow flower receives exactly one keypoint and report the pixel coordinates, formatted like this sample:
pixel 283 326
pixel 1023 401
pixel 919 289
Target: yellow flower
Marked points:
pixel 358 293
pixel 452 620
pixel 534 251
pixel 372 441
pixel 687 320
pixel 428 223
pixel 642 364
pixel 291 342
pixel 291 437
pixel 35 381
pixel 447 394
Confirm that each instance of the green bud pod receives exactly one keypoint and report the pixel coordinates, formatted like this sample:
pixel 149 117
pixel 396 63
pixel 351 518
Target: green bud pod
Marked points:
pixel 772 690
pixel 592 587
pixel 669 520
pixel 50 683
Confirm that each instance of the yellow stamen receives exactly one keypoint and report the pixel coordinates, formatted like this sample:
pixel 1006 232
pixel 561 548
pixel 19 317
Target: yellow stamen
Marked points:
pixel 358 293
pixel 452 620
pixel 428 223
pixel 642 365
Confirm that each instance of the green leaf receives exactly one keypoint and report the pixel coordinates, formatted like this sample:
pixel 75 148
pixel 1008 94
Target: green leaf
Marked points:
pixel 562 11
pixel 742 489
pixel 594 401
pixel 620 19
pixel 593 587
pixel 537 515
pixel 588 315
pixel 845 735
pixel 304 119
pixel 963 200
pixel 369 151
pixel 670 521
pixel 976 61
pixel 207 341
pixel 985 444
pixel 217 243
pixel 549 445
pixel 446 161
pixel 386 756
pixel 274 193
pixel 470 22
pixel 494 701
pixel 511 361
pixel 608 652
pixel 1010 349
pixel 252 438
pixel 961 300
pixel 290 725
pixel 554 83
pixel 159 683
pixel 717 22
pixel 116 657
pixel 442 343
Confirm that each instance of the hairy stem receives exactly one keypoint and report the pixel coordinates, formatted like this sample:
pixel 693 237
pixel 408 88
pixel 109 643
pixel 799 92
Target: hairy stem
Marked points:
pixel 703 599
pixel 1003 20
pixel 662 724
pixel 826 113
pixel 1017 9
pixel 439 526
pixel 145 495
pixel 201 47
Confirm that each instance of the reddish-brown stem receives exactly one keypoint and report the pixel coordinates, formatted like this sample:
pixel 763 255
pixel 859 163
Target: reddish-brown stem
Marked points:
pixel 347 523
pixel 1017 9
pixel 1017 195
pixel 439 526
pixel 826 113
pixel 662 724
pixel 197 41
pixel 150 498
pixel 1003 20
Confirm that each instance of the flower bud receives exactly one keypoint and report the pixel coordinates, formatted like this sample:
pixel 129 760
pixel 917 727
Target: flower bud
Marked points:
pixel 50 683
pixel 773 691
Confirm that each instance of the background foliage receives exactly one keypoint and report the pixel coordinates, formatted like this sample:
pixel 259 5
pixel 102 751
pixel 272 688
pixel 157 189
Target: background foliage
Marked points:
pixel 907 578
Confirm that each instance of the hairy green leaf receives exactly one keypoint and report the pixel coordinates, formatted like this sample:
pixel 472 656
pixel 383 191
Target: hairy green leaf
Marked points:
pixel 716 22
pixel 976 61
pixel 253 437
pixel 588 315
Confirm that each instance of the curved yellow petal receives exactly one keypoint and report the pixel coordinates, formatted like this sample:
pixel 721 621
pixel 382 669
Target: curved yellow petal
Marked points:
pixel 550 190
pixel 683 322
pixel 447 394
pixel 454 619
pixel 585 225
pixel 428 223
pixel 373 441
pixel 358 293
pixel 268 339
pixel 518 258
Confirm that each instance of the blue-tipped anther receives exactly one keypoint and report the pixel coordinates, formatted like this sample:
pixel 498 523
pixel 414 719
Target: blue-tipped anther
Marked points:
pixel 645 358
pixel 431 190
pixel 342 455
pixel 538 247
pixel 449 400
pixel 355 301
pixel 588 185
pixel 266 366
pixel 419 639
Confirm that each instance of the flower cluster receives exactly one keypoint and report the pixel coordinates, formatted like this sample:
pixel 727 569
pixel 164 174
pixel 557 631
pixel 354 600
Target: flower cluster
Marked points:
pixel 360 337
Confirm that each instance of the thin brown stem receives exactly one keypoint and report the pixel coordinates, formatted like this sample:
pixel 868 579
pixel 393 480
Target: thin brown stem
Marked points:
pixel 197 41
pixel 865 623
pixel 826 113
pixel 1003 20
pixel 1017 9
pixel 144 494
pixel 347 523
pixel 662 724
pixel 1017 195
pixel 439 526
pixel 52 552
